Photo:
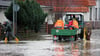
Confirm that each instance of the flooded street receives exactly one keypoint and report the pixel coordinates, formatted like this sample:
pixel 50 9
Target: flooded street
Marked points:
pixel 46 47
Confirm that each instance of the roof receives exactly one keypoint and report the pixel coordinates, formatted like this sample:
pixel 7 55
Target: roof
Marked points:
pixel 5 3
pixel 67 2
pixel 71 9
pixel 68 5
pixel 92 2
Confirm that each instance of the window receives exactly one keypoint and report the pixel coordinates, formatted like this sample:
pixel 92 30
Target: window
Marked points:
pixel 90 13
pixel 95 13
pixel 99 13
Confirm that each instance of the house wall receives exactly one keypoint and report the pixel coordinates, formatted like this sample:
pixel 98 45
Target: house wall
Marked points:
pixel 94 15
pixel 86 16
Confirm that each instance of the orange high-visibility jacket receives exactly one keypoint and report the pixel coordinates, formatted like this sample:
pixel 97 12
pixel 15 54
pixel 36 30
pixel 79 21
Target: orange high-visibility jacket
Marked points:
pixel 75 23
pixel 59 23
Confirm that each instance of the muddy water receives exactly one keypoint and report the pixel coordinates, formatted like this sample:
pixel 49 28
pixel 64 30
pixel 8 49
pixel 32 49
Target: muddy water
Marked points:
pixel 46 47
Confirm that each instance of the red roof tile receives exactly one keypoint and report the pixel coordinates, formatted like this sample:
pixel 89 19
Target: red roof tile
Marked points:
pixel 67 2
pixel 68 5
pixel 92 2
pixel 71 9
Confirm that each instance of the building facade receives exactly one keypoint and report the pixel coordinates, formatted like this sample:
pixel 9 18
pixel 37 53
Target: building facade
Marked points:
pixel 89 8
pixel 94 15
pixel 4 4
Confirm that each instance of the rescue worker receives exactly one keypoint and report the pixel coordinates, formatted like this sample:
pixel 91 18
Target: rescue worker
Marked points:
pixel 70 22
pixel 75 22
pixel 88 28
pixel 59 23
pixel 8 32
pixel 75 25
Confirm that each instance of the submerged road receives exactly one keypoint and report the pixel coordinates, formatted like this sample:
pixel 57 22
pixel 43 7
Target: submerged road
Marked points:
pixel 46 47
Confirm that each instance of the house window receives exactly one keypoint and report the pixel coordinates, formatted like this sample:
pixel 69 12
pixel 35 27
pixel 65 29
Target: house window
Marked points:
pixel 90 13
pixel 99 13
pixel 95 13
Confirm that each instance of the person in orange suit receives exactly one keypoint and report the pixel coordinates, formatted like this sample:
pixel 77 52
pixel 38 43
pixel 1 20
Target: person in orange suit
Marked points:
pixel 72 22
pixel 69 23
pixel 75 22
pixel 59 23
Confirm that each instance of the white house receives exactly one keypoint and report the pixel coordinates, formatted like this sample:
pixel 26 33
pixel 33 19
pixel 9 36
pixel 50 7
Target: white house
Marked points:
pixel 3 6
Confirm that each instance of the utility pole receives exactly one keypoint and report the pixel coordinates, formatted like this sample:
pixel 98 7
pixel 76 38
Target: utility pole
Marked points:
pixel 13 16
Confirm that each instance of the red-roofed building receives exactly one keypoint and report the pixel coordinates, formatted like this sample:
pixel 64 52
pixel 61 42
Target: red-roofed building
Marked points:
pixel 89 8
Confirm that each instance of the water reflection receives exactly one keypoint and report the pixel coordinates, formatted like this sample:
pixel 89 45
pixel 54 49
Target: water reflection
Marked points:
pixel 75 49
pixel 72 48
pixel 86 48
pixel 59 49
